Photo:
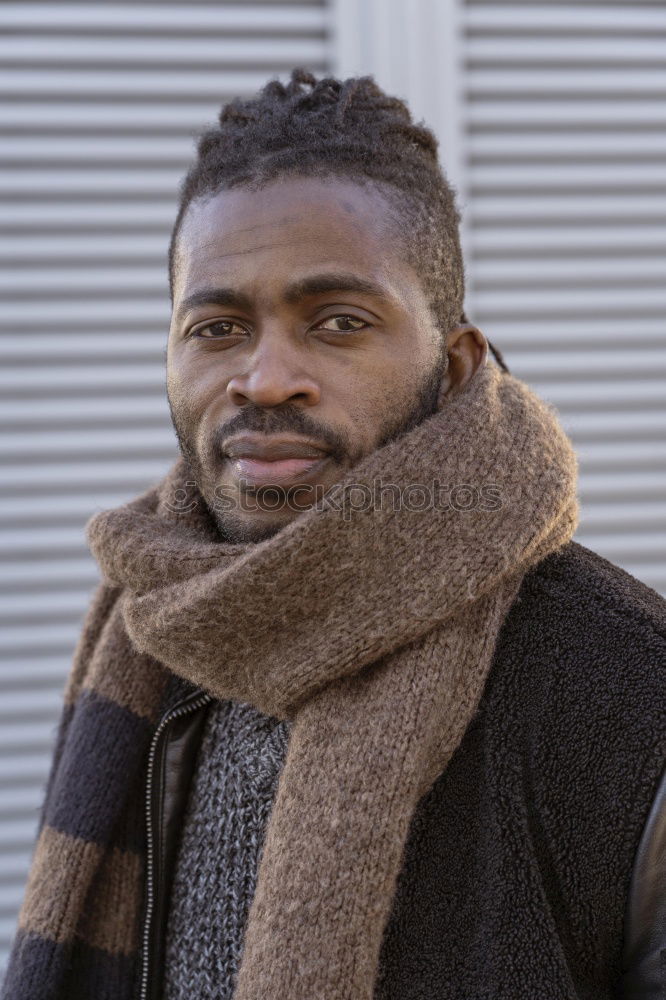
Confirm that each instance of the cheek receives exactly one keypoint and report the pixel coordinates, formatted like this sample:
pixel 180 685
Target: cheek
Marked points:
pixel 189 385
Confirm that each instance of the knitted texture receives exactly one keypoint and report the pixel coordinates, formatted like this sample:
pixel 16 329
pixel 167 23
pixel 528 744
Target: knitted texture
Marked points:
pixel 372 631
pixel 239 761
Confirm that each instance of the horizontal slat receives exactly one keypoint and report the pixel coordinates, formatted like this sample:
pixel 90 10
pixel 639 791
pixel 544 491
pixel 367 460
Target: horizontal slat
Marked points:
pixel 29 768
pixel 65 151
pixel 167 53
pixel 46 443
pixel 13 892
pixel 49 637
pixel 22 577
pixel 46 475
pixel 81 313
pixel 83 247
pixel 62 282
pixel 648 547
pixel 66 410
pixel 551 333
pixel 76 505
pixel 571 146
pixel 7 931
pixel 14 866
pixel 607 486
pixel 638 517
pixel 580 18
pixel 181 18
pixel 565 209
pixel 104 344
pixel 88 377
pixel 594 395
pixel 525 178
pixel 15 833
pixel 586 82
pixel 28 611
pixel 161 182
pixel 571 269
pixel 565 301
pixel 130 217
pixel 625 456
pixel 40 703
pixel 43 671
pixel 593 242
pixel 21 801
pixel 159 84
pixel 493 48
pixel 144 116
pixel 55 542
pixel 23 738
pixel 585 362
pixel 644 424
pixel 503 112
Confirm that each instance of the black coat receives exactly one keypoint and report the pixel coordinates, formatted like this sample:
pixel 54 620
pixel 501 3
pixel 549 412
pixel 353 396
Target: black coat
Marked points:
pixel 535 866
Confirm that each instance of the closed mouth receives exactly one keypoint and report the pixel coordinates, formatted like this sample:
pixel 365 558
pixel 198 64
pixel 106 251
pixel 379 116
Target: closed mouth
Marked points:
pixel 279 471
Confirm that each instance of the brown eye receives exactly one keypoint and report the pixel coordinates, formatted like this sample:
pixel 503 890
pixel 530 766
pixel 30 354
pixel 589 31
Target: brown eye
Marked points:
pixel 219 329
pixel 344 319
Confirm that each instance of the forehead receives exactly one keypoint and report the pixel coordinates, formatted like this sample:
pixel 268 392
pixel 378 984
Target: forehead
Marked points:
pixel 288 226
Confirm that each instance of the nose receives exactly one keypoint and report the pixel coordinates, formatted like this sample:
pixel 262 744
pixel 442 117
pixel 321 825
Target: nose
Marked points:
pixel 273 375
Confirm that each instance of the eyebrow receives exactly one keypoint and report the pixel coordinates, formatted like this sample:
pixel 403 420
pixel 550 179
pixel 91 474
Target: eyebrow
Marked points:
pixel 295 292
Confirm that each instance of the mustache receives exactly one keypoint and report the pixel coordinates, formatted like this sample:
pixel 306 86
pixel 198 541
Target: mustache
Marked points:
pixel 285 421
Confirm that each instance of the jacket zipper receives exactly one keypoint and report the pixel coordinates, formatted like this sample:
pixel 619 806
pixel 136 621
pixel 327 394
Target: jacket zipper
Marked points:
pixel 190 704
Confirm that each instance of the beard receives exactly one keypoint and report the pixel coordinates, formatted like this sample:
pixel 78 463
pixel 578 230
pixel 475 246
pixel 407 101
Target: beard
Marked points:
pixel 422 405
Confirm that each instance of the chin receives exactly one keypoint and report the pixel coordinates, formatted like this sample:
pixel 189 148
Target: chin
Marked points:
pixel 254 527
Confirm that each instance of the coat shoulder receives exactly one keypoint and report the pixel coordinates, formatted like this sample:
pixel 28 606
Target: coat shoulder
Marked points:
pixel 581 614
pixel 578 589
pixel 581 666
pixel 585 641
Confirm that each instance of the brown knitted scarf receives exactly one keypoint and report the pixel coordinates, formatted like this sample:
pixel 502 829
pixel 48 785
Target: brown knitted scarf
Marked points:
pixel 371 626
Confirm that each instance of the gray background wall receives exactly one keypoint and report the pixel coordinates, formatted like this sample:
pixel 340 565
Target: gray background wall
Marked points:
pixel 551 120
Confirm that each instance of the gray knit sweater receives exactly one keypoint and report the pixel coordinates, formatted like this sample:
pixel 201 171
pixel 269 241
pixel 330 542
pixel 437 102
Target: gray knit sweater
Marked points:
pixel 239 762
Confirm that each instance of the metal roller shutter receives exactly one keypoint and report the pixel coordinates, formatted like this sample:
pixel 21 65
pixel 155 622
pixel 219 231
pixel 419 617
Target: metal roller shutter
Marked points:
pixel 551 120
pixel 99 105
pixel 565 171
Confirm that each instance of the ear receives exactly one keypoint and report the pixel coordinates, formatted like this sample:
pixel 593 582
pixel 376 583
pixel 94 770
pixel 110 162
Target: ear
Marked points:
pixel 467 350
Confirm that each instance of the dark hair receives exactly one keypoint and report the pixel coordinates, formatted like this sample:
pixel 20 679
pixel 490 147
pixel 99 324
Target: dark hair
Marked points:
pixel 349 128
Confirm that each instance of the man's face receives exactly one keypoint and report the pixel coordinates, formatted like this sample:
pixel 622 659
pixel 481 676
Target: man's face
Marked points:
pixel 300 341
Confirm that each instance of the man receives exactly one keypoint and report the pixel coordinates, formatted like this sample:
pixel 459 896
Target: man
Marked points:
pixel 401 742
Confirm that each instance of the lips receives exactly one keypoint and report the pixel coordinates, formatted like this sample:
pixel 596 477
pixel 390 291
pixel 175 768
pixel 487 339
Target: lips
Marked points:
pixel 261 461
pixel 280 472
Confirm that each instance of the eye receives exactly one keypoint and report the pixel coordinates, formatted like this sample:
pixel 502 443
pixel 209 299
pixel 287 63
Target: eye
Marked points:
pixel 343 318
pixel 219 329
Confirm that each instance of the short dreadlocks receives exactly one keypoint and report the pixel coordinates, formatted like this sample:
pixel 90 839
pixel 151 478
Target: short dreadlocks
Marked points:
pixel 352 129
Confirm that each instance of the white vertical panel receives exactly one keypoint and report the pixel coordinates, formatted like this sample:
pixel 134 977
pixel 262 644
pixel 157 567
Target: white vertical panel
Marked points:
pixel 413 49
pixel 98 108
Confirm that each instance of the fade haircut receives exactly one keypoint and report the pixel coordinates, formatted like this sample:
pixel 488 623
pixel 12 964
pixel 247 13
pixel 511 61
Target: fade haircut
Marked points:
pixel 351 129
